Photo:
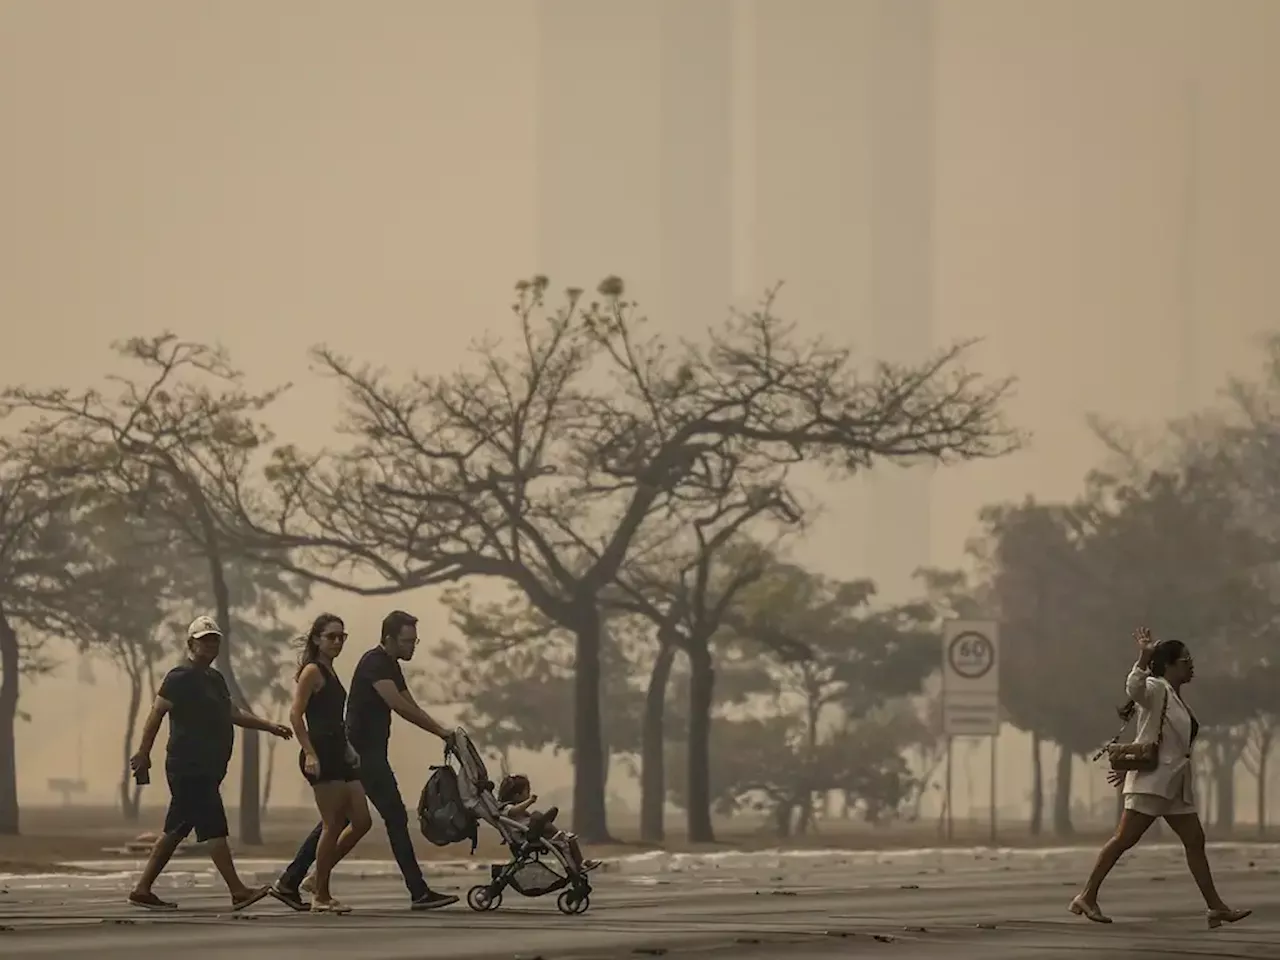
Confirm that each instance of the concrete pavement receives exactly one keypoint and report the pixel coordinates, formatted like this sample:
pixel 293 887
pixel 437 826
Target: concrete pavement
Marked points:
pixel 763 907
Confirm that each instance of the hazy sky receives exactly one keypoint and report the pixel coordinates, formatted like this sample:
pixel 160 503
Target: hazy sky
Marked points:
pixel 274 174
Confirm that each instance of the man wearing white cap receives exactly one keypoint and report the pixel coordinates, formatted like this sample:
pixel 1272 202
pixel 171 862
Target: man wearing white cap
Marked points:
pixel 202 718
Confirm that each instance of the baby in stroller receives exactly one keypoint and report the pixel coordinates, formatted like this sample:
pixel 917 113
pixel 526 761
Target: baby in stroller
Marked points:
pixel 543 860
pixel 515 796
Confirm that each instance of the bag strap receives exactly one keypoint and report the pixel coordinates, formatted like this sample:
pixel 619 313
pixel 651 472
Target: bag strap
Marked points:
pixel 1164 712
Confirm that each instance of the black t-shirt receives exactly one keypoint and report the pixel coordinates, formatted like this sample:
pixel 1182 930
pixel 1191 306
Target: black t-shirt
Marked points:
pixel 201 735
pixel 368 716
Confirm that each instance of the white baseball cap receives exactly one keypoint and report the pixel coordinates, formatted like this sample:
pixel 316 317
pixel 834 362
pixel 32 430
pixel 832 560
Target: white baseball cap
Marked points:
pixel 203 627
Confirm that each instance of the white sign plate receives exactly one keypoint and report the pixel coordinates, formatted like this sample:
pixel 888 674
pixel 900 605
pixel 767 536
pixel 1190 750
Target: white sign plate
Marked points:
pixel 971 678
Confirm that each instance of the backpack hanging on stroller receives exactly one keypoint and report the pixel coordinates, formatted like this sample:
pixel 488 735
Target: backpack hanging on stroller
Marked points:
pixel 442 814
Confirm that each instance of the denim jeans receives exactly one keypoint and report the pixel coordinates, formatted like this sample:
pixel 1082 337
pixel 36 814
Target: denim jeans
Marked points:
pixel 383 791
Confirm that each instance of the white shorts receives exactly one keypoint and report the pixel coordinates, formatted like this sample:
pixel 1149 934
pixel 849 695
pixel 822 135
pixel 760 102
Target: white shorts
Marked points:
pixel 1154 805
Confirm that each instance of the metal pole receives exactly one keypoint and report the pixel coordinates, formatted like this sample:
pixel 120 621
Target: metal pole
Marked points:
pixel 994 739
pixel 950 819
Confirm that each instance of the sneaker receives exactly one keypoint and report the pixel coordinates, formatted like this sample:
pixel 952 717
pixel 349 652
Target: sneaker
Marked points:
pixel 290 898
pixel 149 901
pixel 433 901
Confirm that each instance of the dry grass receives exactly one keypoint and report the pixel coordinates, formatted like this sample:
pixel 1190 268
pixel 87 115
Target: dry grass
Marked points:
pixel 54 834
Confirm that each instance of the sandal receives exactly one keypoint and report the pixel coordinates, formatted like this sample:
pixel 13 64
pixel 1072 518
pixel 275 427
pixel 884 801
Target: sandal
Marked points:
pixel 329 906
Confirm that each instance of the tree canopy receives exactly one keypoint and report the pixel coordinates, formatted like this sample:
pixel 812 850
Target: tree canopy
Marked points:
pixel 547 465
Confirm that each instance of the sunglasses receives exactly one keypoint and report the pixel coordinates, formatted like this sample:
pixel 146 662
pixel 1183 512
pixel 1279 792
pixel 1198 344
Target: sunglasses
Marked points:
pixel 333 636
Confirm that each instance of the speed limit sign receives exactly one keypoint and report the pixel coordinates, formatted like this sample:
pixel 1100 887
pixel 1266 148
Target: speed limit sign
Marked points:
pixel 971 656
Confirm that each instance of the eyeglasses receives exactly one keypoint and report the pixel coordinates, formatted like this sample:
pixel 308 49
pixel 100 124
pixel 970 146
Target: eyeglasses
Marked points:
pixel 333 636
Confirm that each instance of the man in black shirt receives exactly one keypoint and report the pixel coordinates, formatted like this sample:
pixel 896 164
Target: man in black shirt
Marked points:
pixel 202 719
pixel 377 688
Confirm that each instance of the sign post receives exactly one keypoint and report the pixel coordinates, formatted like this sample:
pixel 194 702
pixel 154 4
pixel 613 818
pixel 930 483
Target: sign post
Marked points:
pixel 971 691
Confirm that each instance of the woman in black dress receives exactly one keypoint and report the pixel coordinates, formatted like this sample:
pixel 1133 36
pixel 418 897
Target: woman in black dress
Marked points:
pixel 328 763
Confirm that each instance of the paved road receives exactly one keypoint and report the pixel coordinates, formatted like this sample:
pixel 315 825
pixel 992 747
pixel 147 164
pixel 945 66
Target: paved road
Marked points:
pixel 1003 907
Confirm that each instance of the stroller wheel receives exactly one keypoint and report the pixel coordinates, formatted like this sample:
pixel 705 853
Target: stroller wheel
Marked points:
pixel 571 903
pixel 480 899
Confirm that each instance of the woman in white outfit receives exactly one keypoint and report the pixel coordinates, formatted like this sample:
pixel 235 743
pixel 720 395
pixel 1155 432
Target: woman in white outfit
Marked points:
pixel 1154 686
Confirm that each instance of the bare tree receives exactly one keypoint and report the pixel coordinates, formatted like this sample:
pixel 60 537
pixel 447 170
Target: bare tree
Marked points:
pixel 161 442
pixel 1257 760
pixel 584 434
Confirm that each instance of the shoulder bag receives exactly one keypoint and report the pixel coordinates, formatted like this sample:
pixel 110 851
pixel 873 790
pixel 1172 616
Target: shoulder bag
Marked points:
pixel 1137 757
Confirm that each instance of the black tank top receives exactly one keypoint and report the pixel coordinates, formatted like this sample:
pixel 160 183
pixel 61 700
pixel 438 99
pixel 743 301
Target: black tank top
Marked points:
pixel 1195 724
pixel 324 711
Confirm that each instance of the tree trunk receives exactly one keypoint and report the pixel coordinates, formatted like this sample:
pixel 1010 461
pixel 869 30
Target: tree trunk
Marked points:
pixel 251 764
pixel 9 667
pixel 653 781
pixel 1224 778
pixel 783 814
pixel 702 679
pixel 1062 825
pixel 590 816
pixel 1037 787
pixel 806 823
pixel 1265 739
pixel 250 742
pixel 130 795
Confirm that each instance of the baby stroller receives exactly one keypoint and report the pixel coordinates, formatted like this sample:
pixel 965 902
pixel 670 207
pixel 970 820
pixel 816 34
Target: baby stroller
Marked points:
pixel 536 867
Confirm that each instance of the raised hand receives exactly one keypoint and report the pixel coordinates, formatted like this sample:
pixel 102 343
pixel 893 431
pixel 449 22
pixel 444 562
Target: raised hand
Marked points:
pixel 1146 642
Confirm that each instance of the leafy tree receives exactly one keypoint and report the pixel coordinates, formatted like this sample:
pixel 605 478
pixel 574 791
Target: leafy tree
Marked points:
pixel 838 655
pixel 1178 557
pixel 514 671
pixel 40 557
pixel 1039 583
pixel 686 586
pixel 1069 582
pixel 118 606
pixel 134 596
pixel 1232 451
pixel 765 764
pixel 543 466
pixel 170 443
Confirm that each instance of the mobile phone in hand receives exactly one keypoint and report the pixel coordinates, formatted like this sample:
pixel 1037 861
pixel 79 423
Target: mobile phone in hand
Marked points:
pixel 142 776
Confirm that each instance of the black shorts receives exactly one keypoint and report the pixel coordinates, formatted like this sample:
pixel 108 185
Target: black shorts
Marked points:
pixel 195 803
pixel 334 765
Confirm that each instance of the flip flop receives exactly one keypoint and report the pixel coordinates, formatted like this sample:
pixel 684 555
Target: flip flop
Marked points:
pixel 253 896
